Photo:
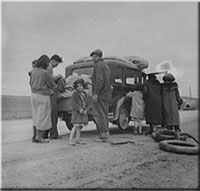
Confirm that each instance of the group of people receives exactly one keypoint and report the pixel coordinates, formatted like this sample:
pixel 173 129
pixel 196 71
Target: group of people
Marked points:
pixel 44 89
pixel 157 102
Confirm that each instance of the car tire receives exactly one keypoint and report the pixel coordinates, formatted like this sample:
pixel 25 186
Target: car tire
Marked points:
pixel 179 147
pixel 123 119
pixel 167 135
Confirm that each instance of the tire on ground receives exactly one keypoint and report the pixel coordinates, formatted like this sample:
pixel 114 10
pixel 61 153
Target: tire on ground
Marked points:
pixel 164 135
pixel 167 135
pixel 180 147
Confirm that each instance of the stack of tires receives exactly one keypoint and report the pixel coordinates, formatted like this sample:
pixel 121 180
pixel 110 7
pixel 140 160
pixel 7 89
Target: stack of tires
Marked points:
pixel 171 141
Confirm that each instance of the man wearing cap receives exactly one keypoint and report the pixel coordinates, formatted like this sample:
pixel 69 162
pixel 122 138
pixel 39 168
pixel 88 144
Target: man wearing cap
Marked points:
pixel 54 62
pixel 153 104
pixel 101 91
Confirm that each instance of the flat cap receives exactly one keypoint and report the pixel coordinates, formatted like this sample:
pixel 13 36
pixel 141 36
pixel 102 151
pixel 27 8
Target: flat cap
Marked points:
pixel 98 52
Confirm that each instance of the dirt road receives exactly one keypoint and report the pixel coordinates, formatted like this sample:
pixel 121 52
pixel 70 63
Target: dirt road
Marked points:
pixel 137 164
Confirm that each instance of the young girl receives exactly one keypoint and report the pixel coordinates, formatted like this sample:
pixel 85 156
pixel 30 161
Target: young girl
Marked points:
pixel 170 100
pixel 137 108
pixel 79 111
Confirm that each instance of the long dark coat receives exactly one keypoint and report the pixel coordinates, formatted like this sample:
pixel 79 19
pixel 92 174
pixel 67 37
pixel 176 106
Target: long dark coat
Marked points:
pixel 170 100
pixel 101 87
pixel 101 81
pixel 79 102
pixel 153 104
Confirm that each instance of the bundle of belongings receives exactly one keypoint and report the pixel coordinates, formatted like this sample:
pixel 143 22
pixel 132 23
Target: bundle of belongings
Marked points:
pixel 69 86
pixel 141 63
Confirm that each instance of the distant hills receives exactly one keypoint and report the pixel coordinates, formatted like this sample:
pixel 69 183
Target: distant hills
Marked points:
pixel 19 107
pixel 15 107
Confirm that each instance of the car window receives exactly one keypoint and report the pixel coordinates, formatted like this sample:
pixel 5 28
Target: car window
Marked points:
pixel 132 76
pixel 117 75
pixel 85 71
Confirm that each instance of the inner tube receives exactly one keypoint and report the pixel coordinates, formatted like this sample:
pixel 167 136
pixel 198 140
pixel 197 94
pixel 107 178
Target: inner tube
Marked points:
pixel 180 147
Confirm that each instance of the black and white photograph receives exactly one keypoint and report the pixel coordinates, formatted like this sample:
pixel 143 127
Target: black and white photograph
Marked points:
pixel 99 95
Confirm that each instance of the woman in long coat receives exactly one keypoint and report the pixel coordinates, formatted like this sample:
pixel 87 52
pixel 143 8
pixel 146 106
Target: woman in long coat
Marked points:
pixel 170 100
pixel 153 103
pixel 41 84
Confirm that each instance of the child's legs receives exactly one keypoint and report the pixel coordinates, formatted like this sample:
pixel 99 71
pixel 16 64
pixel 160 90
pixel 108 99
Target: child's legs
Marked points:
pixel 72 133
pixel 138 125
pixel 78 132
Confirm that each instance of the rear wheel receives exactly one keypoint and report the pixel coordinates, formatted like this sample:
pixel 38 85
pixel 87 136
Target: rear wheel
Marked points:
pixel 123 119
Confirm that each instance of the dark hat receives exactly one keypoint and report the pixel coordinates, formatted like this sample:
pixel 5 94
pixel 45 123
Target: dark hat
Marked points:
pixel 168 77
pixel 43 61
pixel 80 81
pixel 98 52
pixel 152 75
pixel 56 58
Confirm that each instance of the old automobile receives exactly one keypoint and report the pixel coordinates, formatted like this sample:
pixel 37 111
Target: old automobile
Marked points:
pixel 125 72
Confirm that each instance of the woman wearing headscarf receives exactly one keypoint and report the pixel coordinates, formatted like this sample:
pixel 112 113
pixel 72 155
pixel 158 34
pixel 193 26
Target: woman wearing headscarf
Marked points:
pixel 153 103
pixel 171 100
pixel 41 84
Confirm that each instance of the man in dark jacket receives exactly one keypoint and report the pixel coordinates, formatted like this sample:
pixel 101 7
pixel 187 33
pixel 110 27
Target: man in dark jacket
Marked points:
pixel 153 104
pixel 54 62
pixel 101 91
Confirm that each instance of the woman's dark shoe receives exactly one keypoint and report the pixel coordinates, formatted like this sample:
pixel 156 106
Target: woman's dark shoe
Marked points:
pixel 33 139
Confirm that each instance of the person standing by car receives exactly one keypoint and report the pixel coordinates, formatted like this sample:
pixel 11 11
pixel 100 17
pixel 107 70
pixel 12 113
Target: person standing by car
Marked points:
pixel 54 62
pixel 41 84
pixel 137 107
pixel 171 100
pixel 34 64
pixel 101 91
pixel 79 111
pixel 153 103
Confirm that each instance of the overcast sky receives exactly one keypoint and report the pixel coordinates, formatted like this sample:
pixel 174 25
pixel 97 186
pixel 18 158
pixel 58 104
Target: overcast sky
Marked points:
pixel 157 31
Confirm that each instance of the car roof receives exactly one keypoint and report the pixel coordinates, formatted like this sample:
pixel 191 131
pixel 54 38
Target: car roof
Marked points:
pixel 87 61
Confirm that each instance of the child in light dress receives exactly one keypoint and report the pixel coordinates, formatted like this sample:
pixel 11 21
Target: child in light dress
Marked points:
pixel 137 107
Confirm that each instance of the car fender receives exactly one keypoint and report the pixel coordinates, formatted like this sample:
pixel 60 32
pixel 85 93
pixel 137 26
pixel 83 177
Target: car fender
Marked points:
pixel 120 103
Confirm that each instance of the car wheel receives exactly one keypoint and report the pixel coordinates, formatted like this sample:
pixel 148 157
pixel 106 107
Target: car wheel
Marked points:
pixel 123 119
pixel 180 147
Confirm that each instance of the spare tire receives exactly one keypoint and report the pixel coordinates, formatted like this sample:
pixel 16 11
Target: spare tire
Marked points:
pixel 180 147
pixel 167 135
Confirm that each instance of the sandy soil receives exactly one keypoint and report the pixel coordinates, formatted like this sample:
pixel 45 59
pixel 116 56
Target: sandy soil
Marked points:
pixel 137 164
